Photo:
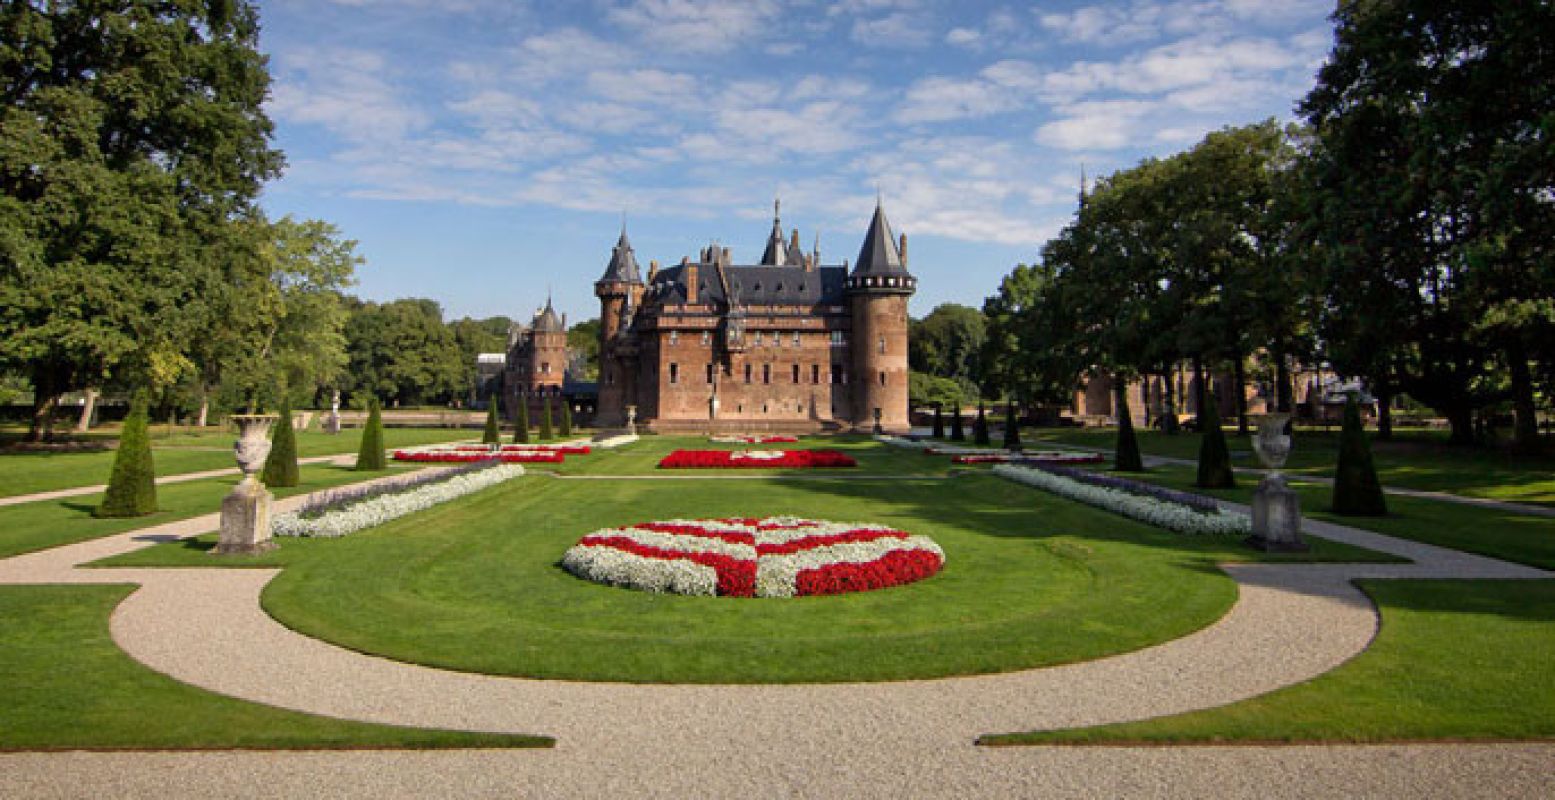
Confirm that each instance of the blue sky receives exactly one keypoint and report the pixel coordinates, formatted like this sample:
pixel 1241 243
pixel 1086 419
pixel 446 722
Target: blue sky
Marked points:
pixel 483 150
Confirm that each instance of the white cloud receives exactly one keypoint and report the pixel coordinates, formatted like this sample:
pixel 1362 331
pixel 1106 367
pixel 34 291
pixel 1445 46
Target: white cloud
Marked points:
pixel 963 37
pixel 346 91
pixel 697 26
pixel 1100 125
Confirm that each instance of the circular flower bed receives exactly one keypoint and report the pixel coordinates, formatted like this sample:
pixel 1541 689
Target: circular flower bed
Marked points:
pixel 771 557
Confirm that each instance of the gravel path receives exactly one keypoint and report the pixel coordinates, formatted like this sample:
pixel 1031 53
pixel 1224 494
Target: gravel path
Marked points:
pixel 913 738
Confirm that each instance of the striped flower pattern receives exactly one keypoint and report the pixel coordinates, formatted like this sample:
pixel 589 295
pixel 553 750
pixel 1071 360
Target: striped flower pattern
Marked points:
pixel 748 557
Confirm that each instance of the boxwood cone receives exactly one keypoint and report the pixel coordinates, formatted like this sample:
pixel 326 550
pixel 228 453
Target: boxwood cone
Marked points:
pixel 957 433
pixel 1011 427
pixel 281 465
pixel 1214 454
pixel 1356 488
pixel 566 428
pixel 521 427
pixel 1126 457
pixel 980 426
pixel 939 423
pixel 493 435
pixel 370 457
pixel 132 489
pixel 545 420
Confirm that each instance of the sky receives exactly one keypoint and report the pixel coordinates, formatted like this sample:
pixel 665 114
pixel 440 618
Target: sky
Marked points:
pixel 485 152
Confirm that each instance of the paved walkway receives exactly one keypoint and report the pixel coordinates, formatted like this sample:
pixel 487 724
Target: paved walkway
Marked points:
pixel 912 738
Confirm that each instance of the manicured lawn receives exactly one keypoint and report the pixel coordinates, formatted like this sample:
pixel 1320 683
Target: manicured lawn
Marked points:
pixel 26 473
pixel 65 685
pixel 475 585
pixel 1417 459
pixel 49 523
pixel 1454 660
pixel 642 457
pixel 1500 534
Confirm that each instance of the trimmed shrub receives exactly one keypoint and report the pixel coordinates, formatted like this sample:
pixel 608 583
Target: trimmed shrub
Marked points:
pixel 545 420
pixel 132 489
pixel 939 422
pixel 370 457
pixel 1011 428
pixel 281 465
pixel 1214 454
pixel 1126 457
pixel 1357 492
pixel 521 428
pixel 957 434
pixel 566 428
pixel 980 425
pixel 492 435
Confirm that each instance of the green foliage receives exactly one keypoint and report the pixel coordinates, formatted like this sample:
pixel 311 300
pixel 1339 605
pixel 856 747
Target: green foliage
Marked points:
pixel 980 425
pixel 371 458
pixel 1126 456
pixel 566 427
pixel 132 489
pixel 521 428
pixel 1214 455
pixel 402 350
pixel 545 419
pixel 924 389
pixel 948 344
pixel 1357 492
pixel 1011 427
pixel 583 339
pixel 957 432
pixel 281 467
pixel 493 434
pixel 939 422
pixel 473 337
pixel 1030 350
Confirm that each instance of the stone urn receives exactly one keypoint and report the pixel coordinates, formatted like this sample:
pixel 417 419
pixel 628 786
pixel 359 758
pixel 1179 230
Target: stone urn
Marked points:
pixel 1276 507
pixel 631 419
pixel 245 511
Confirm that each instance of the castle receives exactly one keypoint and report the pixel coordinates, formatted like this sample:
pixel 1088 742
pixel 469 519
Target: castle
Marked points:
pixel 785 344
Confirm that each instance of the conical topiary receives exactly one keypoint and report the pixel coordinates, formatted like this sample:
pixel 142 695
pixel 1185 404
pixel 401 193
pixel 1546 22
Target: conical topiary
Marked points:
pixel 1356 488
pixel 1011 428
pixel 132 489
pixel 492 435
pixel 957 433
pixel 521 427
pixel 545 420
pixel 1214 454
pixel 1126 457
pixel 566 429
pixel 939 423
pixel 980 425
pixel 281 465
pixel 370 457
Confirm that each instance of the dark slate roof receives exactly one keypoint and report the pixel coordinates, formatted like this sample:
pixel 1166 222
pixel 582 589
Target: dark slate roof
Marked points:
pixel 879 255
pixel 754 285
pixel 623 264
pixel 546 321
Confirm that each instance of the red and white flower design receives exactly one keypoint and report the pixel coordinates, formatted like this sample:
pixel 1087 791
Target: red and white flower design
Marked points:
pixel 734 459
pixel 745 557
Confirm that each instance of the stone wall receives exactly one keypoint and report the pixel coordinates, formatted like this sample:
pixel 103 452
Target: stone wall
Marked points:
pixel 880 361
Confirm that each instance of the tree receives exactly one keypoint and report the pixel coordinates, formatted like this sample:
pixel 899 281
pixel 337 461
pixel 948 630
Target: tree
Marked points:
pixel 402 349
pixel 948 344
pixel 281 465
pixel 1011 428
pixel 135 142
pixel 521 428
pixel 924 389
pixel 1125 456
pixel 1214 455
pixel 132 488
pixel 939 422
pixel 493 434
pixel 583 341
pixel 980 426
pixel 473 337
pixel 370 458
pixel 957 434
pixel 545 419
pixel 566 426
pixel 1357 492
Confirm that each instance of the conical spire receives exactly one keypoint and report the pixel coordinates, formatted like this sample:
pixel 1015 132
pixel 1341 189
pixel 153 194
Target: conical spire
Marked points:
pixel 776 253
pixel 623 264
pixel 546 320
pixel 879 254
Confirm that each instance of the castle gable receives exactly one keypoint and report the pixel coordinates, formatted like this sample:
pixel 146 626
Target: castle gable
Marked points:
pixel 754 285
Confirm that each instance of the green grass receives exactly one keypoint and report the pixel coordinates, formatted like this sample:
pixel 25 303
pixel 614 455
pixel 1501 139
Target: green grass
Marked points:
pixel 1500 534
pixel 642 457
pixel 475 585
pixel 65 685
pixel 1454 660
pixel 49 523
pixel 1416 459
pixel 26 473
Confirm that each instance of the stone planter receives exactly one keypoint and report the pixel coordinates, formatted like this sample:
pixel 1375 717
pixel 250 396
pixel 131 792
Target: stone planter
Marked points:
pixel 1276 507
pixel 245 512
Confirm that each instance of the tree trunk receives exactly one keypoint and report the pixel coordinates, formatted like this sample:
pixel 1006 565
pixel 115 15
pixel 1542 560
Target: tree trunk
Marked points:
pixel 1384 412
pixel 1240 376
pixel 1169 405
pixel 205 410
pixel 84 424
pixel 1198 393
pixel 1284 393
pixel 42 427
pixel 1525 423
pixel 1461 418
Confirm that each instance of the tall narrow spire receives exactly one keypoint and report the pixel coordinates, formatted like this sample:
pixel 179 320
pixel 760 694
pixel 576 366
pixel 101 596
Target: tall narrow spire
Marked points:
pixel 776 252
pixel 622 267
pixel 879 254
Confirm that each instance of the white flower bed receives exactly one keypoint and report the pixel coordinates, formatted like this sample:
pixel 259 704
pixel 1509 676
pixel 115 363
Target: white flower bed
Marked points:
pixel 897 441
pixel 612 442
pixel 383 508
pixel 1162 514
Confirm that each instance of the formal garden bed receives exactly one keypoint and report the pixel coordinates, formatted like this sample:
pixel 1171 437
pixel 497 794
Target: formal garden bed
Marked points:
pixel 344 511
pixel 757 459
pixel 775 438
pixel 771 557
pixel 1171 510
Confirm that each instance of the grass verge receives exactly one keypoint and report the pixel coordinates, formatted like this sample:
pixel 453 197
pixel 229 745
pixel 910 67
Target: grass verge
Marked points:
pixel 1460 660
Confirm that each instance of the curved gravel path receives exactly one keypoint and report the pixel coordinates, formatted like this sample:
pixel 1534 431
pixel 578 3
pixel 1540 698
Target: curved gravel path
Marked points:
pixel 1290 623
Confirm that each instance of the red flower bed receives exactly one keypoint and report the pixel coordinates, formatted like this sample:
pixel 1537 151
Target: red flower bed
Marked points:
pixel 564 449
pixel 736 459
pixel 447 457
pixel 892 569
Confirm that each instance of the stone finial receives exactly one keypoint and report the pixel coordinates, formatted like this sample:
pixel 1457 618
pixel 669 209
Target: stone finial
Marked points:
pixel 653 270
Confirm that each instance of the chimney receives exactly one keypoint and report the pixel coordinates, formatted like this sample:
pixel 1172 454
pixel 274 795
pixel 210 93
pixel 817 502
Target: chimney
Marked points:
pixel 793 242
pixel 688 273
pixel 901 250
pixel 653 270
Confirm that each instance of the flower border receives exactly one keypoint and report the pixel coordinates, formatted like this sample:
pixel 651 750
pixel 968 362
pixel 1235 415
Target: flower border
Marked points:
pixel 385 507
pixel 1157 511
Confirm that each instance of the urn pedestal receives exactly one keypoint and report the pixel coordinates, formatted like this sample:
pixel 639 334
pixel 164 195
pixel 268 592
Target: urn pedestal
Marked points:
pixel 245 511
pixel 1276 507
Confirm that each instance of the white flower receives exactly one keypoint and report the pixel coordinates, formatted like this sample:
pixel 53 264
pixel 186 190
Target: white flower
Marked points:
pixel 382 508
pixel 1162 514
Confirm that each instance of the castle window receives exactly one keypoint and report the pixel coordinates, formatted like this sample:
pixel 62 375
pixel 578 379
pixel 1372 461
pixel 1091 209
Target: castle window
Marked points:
pixel 545 367
pixel 707 338
pixel 766 373
pixel 675 373
pixel 709 373
pixel 838 339
pixel 882 379
pixel 796 373
pixel 815 373
pixel 796 338
pixel 881 346
pixel 747 373
pixel 675 337
pixel 758 287
pixel 757 339
pixel 836 373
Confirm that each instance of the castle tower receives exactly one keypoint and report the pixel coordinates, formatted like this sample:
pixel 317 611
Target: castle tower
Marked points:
pixel 621 285
pixel 877 291
pixel 620 292
pixel 548 362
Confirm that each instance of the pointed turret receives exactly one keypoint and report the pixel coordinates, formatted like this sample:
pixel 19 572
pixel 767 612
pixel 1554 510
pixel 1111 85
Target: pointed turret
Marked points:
pixel 776 253
pixel 881 263
pixel 546 319
pixel 623 263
